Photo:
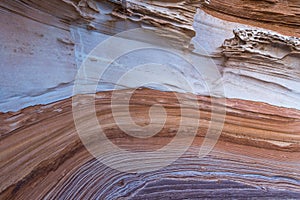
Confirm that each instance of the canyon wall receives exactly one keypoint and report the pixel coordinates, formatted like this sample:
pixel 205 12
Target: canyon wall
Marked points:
pixel 234 86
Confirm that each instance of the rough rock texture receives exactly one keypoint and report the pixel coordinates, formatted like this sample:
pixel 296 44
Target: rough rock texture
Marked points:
pixel 176 15
pixel 254 45
pixel 278 58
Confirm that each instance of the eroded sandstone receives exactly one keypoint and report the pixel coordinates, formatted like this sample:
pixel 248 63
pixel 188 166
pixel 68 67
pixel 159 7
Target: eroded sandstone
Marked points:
pixel 255 47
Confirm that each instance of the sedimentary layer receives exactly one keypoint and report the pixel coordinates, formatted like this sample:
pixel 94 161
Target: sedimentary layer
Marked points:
pixel 281 16
pixel 257 153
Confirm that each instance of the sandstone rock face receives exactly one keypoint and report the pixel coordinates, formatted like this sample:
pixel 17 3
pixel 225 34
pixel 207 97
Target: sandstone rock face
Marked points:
pixel 248 51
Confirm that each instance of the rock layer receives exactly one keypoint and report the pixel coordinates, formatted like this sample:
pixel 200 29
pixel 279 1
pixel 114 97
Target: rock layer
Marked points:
pixel 257 154
pixel 277 15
